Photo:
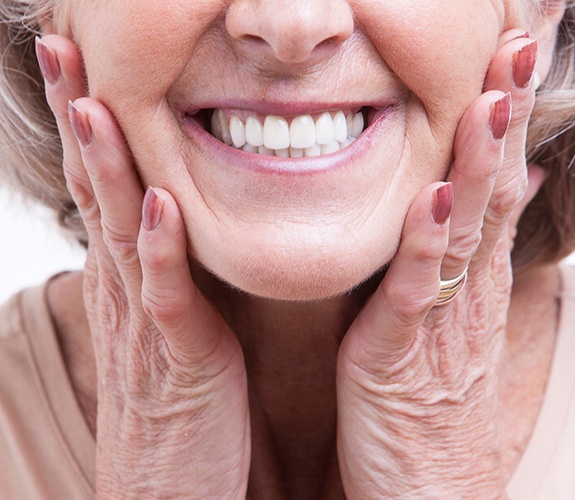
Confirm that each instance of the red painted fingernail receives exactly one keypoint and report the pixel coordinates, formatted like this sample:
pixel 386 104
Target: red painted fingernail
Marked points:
pixel 80 124
pixel 48 62
pixel 524 62
pixel 442 203
pixel 152 210
pixel 500 117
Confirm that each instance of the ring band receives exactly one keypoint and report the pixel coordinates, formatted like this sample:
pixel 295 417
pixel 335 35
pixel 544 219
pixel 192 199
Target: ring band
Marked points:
pixel 449 289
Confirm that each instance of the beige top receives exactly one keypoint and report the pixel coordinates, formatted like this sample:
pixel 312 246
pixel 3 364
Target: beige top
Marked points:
pixel 47 451
pixel 46 448
pixel 547 469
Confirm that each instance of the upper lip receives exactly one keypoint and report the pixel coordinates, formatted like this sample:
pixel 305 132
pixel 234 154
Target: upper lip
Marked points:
pixel 284 109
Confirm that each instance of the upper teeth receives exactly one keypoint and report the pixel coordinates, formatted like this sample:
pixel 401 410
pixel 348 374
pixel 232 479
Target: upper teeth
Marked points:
pixel 302 137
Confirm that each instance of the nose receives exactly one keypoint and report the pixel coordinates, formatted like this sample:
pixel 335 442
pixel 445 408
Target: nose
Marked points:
pixel 292 31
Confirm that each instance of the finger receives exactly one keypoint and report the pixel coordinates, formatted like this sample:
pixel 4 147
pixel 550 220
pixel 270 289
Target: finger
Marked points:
pixel 116 186
pixel 61 66
pixel 478 155
pixel 512 70
pixel 510 35
pixel 190 324
pixel 384 330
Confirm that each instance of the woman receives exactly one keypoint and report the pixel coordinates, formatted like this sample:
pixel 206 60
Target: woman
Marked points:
pixel 254 325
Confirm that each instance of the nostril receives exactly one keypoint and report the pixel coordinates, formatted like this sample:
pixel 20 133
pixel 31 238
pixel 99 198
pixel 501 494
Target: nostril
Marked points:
pixel 253 38
pixel 327 43
pixel 296 31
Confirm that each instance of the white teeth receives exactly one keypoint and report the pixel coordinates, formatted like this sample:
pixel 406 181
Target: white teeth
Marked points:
pixel 265 151
pixel 302 132
pixel 254 131
pixel 324 129
pixel 296 152
pixel 302 137
pixel 237 131
pixel 276 132
pixel 314 150
pixel 357 125
pixel 332 147
pixel 339 127
pixel 250 149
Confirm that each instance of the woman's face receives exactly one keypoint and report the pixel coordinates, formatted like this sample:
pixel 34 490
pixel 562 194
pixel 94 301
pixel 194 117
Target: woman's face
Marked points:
pixel 295 228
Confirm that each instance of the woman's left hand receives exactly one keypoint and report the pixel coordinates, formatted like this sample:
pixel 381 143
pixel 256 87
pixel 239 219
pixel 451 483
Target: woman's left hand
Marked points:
pixel 418 383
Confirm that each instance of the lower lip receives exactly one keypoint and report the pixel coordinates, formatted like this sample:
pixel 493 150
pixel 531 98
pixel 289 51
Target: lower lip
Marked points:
pixel 288 166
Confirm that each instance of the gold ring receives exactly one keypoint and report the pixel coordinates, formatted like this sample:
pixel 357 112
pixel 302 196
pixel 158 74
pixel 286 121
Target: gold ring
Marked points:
pixel 449 289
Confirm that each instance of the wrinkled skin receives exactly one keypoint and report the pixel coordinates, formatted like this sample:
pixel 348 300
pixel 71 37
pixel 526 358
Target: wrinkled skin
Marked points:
pixel 416 385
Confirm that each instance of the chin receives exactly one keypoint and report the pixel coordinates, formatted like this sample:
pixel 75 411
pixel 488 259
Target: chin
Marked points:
pixel 299 273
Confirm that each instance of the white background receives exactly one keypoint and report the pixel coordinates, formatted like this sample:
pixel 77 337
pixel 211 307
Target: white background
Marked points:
pixel 31 246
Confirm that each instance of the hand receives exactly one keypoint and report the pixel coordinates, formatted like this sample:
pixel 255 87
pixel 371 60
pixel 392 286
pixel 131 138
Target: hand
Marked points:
pixel 172 392
pixel 418 384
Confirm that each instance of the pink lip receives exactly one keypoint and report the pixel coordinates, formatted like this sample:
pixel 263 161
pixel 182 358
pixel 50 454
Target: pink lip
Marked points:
pixel 286 166
pixel 282 109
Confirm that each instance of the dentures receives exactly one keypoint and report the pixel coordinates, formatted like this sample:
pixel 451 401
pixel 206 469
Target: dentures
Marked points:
pixel 302 136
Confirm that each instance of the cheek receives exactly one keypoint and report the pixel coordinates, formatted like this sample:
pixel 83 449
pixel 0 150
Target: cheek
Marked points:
pixel 134 50
pixel 439 49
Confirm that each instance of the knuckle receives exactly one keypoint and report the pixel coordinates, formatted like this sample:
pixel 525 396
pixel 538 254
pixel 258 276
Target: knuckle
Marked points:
pixel 90 212
pixel 410 306
pixel 430 254
pixel 87 205
pixel 411 314
pixel 464 244
pixel 506 197
pixel 58 105
pixel 120 245
pixel 101 175
pixel 77 184
pixel 157 256
pixel 164 307
pixel 112 306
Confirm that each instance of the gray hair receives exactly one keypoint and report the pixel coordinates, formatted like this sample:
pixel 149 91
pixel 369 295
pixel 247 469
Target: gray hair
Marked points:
pixel 30 147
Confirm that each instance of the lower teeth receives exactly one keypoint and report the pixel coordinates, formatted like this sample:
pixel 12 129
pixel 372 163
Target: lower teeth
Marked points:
pixel 316 150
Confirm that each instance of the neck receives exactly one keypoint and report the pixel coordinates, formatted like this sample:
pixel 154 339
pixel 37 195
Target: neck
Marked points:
pixel 290 349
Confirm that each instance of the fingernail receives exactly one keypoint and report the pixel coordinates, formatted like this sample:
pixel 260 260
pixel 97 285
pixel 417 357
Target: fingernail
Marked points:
pixel 152 210
pixel 500 117
pixel 80 124
pixel 48 62
pixel 524 64
pixel 442 203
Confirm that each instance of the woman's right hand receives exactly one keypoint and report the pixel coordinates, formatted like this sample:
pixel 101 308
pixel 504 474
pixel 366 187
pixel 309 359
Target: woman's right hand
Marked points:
pixel 173 416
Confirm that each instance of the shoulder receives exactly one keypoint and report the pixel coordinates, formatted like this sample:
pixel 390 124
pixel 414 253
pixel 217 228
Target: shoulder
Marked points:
pixel 46 449
pixel 25 311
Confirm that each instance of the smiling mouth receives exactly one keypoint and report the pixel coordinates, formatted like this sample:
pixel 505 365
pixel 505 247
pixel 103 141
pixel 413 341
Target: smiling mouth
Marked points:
pixel 306 135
